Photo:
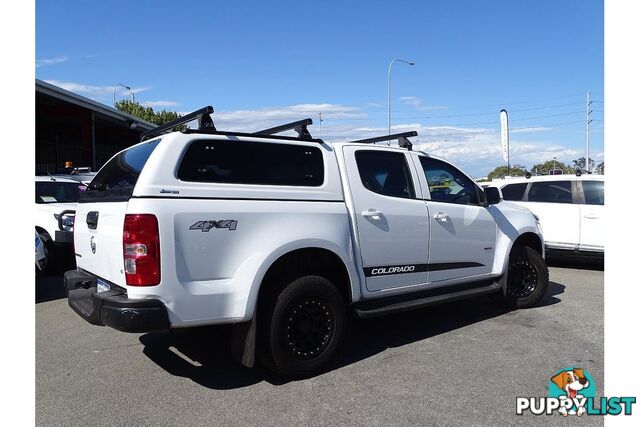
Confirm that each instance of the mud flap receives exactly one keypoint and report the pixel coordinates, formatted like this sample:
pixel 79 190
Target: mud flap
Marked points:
pixel 503 282
pixel 243 342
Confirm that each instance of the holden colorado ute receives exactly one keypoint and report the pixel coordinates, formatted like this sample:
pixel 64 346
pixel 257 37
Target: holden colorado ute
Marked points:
pixel 284 237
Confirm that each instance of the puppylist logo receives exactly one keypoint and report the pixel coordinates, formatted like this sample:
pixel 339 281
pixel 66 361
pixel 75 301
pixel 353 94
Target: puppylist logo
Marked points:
pixel 572 391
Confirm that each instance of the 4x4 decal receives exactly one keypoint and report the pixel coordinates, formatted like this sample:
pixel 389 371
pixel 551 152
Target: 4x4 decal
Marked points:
pixel 229 224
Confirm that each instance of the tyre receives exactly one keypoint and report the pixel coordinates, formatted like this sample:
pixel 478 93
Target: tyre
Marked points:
pixel 302 326
pixel 527 279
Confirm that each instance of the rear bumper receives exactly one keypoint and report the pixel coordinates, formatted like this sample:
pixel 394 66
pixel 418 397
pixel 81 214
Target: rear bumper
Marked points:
pixel 113 308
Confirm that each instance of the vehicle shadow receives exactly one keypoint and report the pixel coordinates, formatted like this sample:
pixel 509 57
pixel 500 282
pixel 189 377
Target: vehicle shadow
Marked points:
pixel 203 354
pixel 49 288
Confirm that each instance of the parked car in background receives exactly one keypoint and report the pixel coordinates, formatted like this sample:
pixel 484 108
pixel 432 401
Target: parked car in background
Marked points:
pixel 41 255
pixel 570 209
pixel 55 204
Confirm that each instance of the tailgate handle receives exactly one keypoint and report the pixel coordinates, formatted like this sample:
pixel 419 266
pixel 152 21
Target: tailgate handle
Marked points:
pixel 92 220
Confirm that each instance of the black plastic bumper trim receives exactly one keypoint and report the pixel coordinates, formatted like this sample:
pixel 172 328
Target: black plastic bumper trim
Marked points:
pixel 113 308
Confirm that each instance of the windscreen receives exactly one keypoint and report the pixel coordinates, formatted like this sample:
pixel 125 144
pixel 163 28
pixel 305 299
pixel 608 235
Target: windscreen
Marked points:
pixel 117 179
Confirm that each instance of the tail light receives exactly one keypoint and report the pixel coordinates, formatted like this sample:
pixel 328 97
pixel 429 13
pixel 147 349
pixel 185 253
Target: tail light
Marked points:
pixel 141 250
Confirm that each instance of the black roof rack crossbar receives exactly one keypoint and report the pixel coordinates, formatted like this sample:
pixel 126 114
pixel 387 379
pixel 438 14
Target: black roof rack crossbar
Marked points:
pixel 299 126
pixel 401 137
pixel 205 123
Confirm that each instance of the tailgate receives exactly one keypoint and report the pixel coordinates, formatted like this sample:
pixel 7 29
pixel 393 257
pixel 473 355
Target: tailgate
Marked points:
pixel 99 222
pixel 98 239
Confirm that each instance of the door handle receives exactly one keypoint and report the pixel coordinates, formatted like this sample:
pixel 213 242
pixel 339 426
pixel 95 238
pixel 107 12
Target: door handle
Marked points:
pixel 591 216
pixel 441 216
pixel 372 213
pixel 92 220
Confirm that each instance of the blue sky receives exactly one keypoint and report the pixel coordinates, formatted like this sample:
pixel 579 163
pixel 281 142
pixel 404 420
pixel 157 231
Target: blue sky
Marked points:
pixel 264 63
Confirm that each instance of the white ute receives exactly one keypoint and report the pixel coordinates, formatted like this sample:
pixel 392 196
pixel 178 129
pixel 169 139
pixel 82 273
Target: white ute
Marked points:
pixel 284 236
pixel 55 204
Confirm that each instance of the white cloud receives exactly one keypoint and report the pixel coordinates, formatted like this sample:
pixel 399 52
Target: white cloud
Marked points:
pixel 419 104
pixel 154 104
pixel 252 120
pixel 95 91
pixel 51 61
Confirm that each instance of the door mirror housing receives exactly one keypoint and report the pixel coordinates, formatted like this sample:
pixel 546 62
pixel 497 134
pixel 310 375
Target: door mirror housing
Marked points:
pixel 493 195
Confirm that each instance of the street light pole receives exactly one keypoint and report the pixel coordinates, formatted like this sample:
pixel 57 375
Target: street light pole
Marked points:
pixel 389 90
pixel 114 92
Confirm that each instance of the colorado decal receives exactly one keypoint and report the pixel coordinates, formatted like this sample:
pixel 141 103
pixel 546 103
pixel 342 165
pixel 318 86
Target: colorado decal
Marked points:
pixel 416 268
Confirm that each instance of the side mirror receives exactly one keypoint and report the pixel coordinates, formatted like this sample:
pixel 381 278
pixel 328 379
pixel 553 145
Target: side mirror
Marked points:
pixel 493 195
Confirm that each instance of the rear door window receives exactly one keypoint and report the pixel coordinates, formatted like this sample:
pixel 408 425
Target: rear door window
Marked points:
pixel 386 173
pixel 514 191
pixel 551 192
pixel 593 192
pixel 248 162
pixel 116 180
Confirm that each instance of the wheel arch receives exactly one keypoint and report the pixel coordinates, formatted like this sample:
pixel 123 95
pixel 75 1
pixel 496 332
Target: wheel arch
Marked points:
pixel 528 239
pixel 41 230
pixel 309 260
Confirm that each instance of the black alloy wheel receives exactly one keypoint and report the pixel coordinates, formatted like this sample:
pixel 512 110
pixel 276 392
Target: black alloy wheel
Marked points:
pixel 309 328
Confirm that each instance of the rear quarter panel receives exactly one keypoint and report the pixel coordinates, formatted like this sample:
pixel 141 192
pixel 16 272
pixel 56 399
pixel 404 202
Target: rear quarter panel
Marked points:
pixel 214 276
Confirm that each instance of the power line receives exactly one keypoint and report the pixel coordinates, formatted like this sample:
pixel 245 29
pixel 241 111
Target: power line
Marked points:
pixel 488 113
pixel 438 136
pixel 508 104
pixel 488 122
pixel 485 113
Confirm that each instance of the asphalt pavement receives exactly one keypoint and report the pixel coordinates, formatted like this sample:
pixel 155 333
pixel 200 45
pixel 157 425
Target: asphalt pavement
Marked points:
pixel 456 364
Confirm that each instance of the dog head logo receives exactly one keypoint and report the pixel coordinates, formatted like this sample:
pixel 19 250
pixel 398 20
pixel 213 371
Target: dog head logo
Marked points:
pixel 575 385
pixel 571 381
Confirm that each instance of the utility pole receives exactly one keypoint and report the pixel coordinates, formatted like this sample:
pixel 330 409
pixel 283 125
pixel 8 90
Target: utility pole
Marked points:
pixel 320 120
pixel 588 119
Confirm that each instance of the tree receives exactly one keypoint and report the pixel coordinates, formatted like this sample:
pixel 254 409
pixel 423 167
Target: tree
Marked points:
pixel 600 168
pixel 544 168
pixel 147 113
pixel 581 162
pixel 501 172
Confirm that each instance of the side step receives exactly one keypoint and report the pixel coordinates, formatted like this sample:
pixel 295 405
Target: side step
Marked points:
pixel 397 303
